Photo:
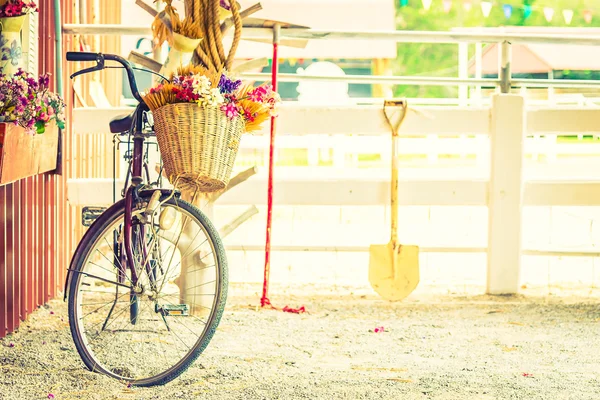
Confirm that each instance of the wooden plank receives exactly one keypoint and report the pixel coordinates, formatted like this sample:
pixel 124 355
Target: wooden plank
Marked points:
pixel 40 247
pixel 3 265
pixel 24 255
pixel 350 191
pixel 505 194
pixel 86 191
pixel 12 305
pixel 557 252
pixel 562 193
pixel 147 7
pixel 562 120
pixel 323 191
pixel 146 62
pixel 29 245
pixel 358 120
pixel 51 233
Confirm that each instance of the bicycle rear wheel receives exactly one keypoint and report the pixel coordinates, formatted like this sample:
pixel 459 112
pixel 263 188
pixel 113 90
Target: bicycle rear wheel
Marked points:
pixel 150 331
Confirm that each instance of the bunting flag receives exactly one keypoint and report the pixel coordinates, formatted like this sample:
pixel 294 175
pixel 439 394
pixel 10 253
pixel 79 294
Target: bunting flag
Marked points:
pixel 447 4
pixel 548 13
pixel 568 15
pixel 486 8
pixel 507 8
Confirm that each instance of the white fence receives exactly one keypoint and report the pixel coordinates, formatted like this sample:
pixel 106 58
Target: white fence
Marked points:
pixel 501 133
pixel 502 128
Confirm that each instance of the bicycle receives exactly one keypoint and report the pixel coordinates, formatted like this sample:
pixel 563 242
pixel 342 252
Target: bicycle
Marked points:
pixel 119 268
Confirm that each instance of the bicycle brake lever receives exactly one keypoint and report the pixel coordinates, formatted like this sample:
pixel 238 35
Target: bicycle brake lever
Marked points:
pixel 98 67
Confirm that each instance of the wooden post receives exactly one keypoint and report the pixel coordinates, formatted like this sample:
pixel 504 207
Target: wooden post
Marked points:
pixel 508 124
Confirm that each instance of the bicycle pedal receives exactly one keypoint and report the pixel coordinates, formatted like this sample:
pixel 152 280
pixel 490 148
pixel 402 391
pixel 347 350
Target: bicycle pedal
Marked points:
pixel 174 310
pixel 90 213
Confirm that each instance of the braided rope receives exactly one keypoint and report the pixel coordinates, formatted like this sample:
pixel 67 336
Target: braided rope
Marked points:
pixel 209 34
pixel 216 26
pixel 237 22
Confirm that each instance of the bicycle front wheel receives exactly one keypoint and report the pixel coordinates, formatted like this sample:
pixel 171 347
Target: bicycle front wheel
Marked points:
pixel 148 326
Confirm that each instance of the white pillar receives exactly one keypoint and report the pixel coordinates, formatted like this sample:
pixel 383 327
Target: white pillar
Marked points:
pixel 505 193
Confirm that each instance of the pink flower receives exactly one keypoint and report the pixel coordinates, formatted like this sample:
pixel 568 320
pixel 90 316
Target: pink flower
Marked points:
pixel 50 396
pixel 230 109
pixel 379 329
pixel 258 94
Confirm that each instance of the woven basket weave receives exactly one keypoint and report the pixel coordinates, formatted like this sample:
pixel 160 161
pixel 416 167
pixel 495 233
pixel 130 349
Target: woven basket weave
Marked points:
pixel 198 145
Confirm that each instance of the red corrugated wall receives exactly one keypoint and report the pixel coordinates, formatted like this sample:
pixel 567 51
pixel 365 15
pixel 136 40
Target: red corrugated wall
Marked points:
pixel 34 245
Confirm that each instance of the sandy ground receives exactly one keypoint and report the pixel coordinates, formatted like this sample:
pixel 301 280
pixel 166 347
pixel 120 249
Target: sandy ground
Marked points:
pixel 432 347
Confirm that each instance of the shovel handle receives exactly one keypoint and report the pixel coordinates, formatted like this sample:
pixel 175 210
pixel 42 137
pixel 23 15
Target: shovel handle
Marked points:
pixel 403 108
pixel 394 182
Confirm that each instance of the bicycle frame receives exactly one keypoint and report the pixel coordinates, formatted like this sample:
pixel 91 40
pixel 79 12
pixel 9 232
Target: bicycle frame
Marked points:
pixel 136 181
pixel 132 194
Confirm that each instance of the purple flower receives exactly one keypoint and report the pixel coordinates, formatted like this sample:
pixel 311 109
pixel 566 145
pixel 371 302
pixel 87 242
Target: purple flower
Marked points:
pixel 225 4
pixel 227 85
pixel 26 101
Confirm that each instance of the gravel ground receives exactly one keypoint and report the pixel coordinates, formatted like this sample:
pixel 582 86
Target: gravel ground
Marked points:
pixel 432 347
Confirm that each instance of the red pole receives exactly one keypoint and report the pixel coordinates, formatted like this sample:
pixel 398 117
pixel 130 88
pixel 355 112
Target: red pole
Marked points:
pixel 274 69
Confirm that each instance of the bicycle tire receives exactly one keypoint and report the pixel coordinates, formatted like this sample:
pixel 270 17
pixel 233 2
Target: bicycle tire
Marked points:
pixel 84 248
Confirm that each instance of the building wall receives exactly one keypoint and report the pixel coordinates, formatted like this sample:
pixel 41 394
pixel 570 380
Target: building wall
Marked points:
pixel 34 245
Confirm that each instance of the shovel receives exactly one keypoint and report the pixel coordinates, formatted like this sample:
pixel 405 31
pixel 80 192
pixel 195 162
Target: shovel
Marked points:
pixel 394 268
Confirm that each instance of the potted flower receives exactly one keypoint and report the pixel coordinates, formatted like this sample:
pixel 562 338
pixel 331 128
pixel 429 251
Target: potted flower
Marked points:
pixel 12 17
pixel 199 117
pixel 30 116
pixel 27 102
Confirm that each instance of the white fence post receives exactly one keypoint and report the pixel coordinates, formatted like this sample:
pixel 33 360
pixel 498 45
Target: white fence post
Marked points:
pixel 507 135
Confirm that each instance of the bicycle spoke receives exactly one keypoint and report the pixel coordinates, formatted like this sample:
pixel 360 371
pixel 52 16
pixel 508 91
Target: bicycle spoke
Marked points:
pixel 142 335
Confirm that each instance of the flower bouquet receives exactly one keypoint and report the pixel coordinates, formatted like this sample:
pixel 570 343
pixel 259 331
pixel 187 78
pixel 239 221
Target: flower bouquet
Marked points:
pixel 26 101
pixel 16 8
pixel 202 111
pixel 27 107
pixel 12 17
pixel 199 117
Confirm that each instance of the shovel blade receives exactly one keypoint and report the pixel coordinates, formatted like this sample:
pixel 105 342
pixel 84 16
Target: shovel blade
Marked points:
pixel 381 270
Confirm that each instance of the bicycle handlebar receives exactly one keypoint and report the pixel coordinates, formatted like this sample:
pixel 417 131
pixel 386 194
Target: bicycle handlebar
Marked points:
pixel 100 58
pixel 82 56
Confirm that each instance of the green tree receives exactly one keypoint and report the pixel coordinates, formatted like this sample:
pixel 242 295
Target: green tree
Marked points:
pixel 441 60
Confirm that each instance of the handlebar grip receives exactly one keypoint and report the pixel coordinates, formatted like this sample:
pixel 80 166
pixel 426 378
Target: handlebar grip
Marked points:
pixel 82 56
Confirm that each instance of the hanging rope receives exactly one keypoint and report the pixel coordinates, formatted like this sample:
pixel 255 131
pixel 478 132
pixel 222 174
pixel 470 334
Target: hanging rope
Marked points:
pixel 237 36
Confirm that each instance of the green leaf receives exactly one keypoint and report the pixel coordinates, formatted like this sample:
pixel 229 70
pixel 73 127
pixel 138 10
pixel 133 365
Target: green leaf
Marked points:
pixel 60 124
pixel 40 127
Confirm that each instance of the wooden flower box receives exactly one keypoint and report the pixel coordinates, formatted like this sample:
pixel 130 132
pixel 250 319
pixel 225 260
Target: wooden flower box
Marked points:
pixel 23 154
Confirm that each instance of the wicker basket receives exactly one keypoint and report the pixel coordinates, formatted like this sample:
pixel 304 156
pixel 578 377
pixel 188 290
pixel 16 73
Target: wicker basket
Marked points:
pixel 198 145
